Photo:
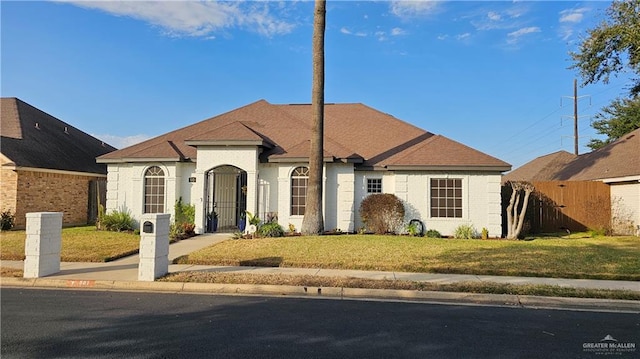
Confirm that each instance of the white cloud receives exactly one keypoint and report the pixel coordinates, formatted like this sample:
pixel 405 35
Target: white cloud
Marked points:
pixel 122 141
pixel 573 15
pixel 464 36
pixel 494 16
pixel 196 18
pixel 381 35
pixel 346 31
pixel 514 37
pixel 396 31
pixel 524 31
pixel 443 37
pixel 565 33
pixel 413 8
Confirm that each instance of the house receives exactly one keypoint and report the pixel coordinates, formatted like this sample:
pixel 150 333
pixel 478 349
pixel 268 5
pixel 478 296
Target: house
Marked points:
pixel 255 158
pixel 47 165
pixel 617 165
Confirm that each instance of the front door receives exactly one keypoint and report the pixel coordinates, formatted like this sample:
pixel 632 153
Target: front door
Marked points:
pixel 226 198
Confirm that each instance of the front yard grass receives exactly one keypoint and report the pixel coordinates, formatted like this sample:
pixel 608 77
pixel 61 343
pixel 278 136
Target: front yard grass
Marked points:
pixel 79 244
pixel 596 258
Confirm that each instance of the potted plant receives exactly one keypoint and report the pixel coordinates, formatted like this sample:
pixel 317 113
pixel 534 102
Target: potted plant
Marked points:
pixel 242 222
pixel 212 221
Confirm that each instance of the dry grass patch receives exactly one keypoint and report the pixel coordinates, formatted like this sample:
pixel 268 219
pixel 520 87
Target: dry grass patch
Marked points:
pixel 11 272
pixel 342 282
pixel 79 244
pixel 597 258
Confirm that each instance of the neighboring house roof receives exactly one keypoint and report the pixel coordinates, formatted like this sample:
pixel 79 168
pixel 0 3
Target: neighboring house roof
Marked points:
pixel 543 168
pixel 352 133
pixel 32 138
pixel 618 159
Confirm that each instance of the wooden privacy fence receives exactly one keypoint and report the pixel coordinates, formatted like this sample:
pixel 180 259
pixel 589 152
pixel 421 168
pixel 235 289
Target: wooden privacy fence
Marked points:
pixel 574 205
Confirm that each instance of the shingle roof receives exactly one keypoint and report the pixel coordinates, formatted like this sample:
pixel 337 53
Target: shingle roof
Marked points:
pixel 543 168
pixel 33 138
pixel 353 132
pixel 620 158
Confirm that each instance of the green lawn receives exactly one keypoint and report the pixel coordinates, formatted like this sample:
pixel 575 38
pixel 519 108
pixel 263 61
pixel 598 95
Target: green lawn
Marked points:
pixel 599 258
pixel 79 244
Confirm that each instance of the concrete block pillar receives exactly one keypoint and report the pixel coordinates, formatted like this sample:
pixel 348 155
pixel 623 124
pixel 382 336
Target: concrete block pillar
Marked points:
pixel 154 246
pixel 43 244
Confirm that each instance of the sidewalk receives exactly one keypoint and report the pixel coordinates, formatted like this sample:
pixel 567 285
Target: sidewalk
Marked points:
pixel 125 270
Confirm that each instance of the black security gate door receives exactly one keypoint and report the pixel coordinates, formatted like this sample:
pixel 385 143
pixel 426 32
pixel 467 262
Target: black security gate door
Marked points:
pixel 226 198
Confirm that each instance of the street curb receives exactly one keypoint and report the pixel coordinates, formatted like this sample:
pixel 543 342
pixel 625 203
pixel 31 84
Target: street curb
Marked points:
pixel 504 300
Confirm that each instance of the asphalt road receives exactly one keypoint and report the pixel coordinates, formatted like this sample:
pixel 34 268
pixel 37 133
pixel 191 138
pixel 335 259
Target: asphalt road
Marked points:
pixel 39 323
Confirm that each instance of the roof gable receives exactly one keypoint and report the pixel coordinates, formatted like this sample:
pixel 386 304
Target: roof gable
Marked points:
pixel 33 138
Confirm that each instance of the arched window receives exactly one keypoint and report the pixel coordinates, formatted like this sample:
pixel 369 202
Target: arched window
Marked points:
pixel 299 182
pixel 154 190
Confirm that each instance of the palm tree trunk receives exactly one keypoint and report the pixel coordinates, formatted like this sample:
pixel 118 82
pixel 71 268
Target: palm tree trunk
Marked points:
pixel 313 222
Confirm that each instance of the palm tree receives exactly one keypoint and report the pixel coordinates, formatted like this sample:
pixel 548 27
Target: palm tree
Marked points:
pixel 313 222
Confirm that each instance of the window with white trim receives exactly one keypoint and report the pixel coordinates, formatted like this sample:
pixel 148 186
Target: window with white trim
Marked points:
pixel 299 183
pixel 154 190
pixel 446 198
pixel 374 185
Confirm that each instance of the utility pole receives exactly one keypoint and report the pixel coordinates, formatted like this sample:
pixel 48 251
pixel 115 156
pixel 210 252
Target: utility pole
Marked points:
pixel 576 117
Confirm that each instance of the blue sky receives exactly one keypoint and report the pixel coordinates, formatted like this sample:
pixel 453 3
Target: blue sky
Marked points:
pixel 491 75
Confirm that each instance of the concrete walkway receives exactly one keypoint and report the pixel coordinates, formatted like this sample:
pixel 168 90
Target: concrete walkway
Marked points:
pixel 125 270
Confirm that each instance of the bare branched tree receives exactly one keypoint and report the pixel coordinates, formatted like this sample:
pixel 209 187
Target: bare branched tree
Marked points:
pixel 517 210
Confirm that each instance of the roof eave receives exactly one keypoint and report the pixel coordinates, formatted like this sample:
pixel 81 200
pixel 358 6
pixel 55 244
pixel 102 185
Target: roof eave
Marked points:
pixel 447 168
pixel 621 179
pixel 142 159
pixel 51 170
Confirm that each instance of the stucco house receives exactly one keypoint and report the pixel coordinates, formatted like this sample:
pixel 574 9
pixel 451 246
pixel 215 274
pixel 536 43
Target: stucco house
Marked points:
pixel 617 165
pixel 255 158
pixel 47 165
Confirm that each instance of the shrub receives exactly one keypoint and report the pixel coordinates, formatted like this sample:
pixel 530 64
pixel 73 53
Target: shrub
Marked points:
pixel 413 229
pixel 117 221
pixel 184 220
pixel 254 220
pixel 382 213
pixel 7 220
pixel 271 229
pixel 432 233
pixel 465 231
pixel 184 213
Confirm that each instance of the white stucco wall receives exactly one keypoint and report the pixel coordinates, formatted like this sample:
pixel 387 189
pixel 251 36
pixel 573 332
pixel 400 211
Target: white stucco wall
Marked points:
pixel 625 201
pixel 480 202
pixel 275 194
pixel 125 186
pixel 209 157
pixel 269 190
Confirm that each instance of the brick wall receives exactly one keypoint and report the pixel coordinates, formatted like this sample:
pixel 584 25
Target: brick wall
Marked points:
pixel 52 192
pixel 8 192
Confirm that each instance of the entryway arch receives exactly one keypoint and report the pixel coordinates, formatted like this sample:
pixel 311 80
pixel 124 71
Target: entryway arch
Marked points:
pixel 226 194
